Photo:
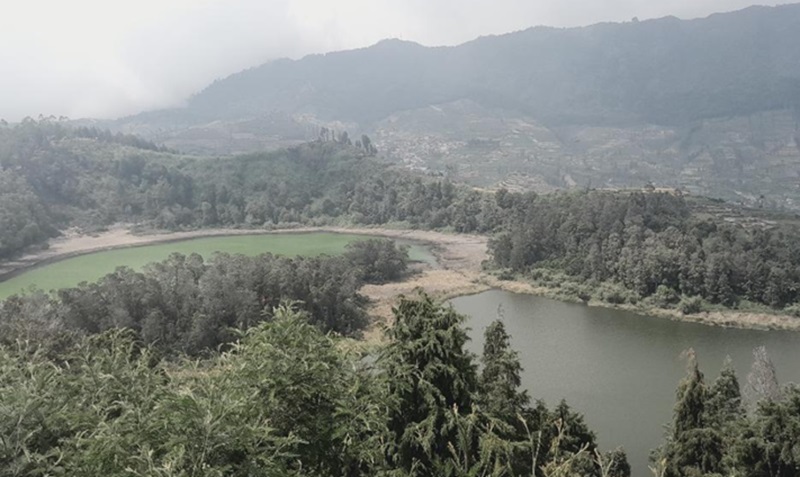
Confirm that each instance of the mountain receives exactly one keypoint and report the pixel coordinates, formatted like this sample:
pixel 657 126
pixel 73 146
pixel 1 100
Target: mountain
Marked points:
pixel 710 105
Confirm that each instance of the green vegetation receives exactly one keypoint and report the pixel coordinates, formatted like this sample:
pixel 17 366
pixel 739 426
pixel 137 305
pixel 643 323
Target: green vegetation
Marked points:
pixel 56 179
pixel 53 177
pixel 243 363
pixel 650 248
pixel 188 305
pixel 286 400
pixel 707 105
pixel 91 267
pixel 654 248
pixel 717 431
pixel 198 366
pixel 380 260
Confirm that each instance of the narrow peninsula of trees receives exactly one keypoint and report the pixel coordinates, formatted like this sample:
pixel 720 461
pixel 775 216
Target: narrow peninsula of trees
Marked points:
pixel 186 305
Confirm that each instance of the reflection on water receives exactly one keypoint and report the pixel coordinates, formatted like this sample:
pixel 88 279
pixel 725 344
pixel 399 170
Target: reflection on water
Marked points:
pixel 619 368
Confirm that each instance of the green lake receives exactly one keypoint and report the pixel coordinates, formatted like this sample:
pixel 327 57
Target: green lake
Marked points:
pixel 619 369
pixel 92 266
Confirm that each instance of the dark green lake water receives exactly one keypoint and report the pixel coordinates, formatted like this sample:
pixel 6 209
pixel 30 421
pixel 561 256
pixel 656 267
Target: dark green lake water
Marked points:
pixel 619 369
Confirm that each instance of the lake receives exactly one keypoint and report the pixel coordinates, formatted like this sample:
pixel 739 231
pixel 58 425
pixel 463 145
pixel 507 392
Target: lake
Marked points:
pixel 618 368
pixel 93 266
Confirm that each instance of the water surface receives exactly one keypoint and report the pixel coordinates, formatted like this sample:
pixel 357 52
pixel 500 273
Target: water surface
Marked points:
pixel 93 266
pixel 618 368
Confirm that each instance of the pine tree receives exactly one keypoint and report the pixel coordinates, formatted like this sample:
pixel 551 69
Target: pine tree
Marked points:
pixel 724 402
pixel 694 448
pixel 691 395
pixel 500 397
pixel 762 382
pixel 499 384
pixel 428 375
pixel 615 464
pixel 769 443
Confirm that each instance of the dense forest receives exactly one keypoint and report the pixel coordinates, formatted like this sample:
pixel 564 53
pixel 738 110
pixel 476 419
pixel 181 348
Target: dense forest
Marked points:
pixel 245 366
pixel 647 247
pixel 57 178
pixel 187 306
pixel 238 366
pixel 655 246
pixel 288 399
pixel 53 176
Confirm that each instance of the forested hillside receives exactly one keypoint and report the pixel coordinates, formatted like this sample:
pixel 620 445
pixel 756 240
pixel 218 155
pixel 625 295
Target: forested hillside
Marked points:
pixel 53 177
pixel 56 179
pixel 650 166
pixel 643 247
pixel 708 105
pixel 656 246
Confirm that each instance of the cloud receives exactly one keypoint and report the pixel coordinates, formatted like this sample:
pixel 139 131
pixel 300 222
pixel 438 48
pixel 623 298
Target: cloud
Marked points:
pixel 101 58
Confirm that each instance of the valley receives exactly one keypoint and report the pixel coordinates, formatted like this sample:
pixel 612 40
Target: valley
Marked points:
pixel 519 254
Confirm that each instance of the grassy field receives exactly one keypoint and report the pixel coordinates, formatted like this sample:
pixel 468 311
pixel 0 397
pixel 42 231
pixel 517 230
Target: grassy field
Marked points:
pixel 72 271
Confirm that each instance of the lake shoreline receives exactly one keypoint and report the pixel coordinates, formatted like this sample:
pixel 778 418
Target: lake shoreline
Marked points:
pixel 462 283
pixel 118 238
pixel 718 318
pixel 459 271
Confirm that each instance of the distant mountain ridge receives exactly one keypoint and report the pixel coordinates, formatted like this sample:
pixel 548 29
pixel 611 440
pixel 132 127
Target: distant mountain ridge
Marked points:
pixel 664 71
pixel 667 77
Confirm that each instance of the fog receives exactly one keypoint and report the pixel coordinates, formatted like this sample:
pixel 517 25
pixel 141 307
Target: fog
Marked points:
pixel 96 58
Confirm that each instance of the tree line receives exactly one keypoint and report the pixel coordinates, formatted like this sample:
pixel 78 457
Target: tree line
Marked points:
pixel 55 177
pixel 186 305
pixel 654 246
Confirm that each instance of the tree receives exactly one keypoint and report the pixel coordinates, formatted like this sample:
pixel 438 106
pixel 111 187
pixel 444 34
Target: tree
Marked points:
pixel 767 443
pixel 762 381
pixel 500 398
pixel 379 260
pixel 369 148
pixel 724 400
pixel 500 378
pixel 693 447
pixel 690 405
pixel 428 375
pixel 615 464
pixel 304 383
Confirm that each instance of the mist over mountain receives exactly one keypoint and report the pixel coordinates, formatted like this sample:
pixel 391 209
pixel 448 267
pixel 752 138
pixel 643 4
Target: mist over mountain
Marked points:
pixel 707 105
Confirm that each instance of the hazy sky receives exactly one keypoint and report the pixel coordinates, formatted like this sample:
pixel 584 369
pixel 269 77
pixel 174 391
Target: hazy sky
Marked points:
pixel 106 58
